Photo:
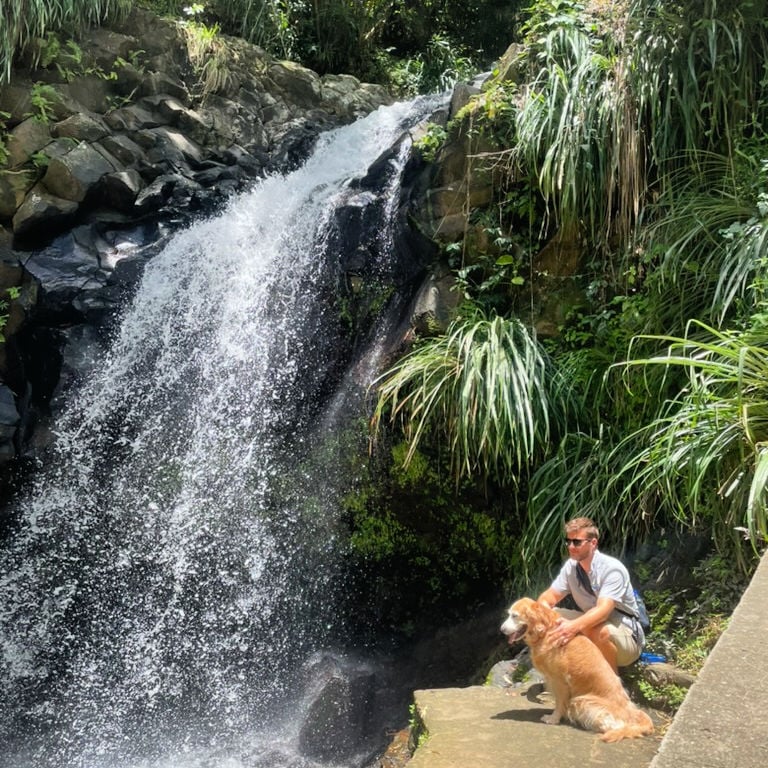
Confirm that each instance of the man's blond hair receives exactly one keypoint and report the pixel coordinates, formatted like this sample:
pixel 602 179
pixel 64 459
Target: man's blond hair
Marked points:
pixel 582 524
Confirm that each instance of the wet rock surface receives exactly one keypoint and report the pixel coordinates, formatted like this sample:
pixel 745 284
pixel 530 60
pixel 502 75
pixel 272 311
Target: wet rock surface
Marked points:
pixel 111 157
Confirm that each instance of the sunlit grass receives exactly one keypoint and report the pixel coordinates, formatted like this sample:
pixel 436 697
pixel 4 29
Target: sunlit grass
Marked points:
pixel 485 390
pixel 21 21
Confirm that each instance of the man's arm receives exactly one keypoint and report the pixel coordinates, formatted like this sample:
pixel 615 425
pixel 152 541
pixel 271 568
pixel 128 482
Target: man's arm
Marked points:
pixel 598 614
pixel 551 597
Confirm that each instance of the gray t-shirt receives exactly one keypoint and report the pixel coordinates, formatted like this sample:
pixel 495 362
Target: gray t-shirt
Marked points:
pixel 608 577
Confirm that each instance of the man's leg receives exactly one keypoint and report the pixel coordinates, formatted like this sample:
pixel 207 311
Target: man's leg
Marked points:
pixel 601 637
pixel 610 638
pixel 628 650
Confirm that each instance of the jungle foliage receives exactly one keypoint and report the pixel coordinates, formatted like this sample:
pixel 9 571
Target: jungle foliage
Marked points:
pixel 634 131
pixel 22 21
pixel 413 45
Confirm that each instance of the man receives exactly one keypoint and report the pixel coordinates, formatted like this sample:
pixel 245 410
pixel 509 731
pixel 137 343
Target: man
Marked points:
pixel 600 587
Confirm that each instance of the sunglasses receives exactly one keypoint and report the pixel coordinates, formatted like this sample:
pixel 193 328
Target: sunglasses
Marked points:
pixel 575 542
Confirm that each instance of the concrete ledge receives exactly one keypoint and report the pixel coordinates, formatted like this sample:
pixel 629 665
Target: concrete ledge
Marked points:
pixel 722 721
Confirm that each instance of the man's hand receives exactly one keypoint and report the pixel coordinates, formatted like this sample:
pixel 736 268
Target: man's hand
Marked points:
pixel 564 631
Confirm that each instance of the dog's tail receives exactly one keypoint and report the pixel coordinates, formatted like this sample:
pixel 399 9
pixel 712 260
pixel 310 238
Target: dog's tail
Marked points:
pixel 640 724
pixel 596 714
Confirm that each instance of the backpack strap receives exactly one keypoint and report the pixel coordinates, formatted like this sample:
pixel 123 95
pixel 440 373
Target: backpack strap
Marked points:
pixel 584 582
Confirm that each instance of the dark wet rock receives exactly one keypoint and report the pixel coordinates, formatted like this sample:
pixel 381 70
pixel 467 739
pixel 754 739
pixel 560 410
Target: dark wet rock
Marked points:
pixel 9 422
pixel 74 175
pixel 25 139
pixel 14 187
pixel 81 127
pixel 121 189
pixel 42 214
pixel 340 706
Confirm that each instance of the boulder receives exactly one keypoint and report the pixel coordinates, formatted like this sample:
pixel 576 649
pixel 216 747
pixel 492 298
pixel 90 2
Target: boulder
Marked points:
pixel 161 83
pixel 60 102
pixel 348 97
pixel 42 214
pixel 16 100
pixel 81 127
pixel 133 117
pixel 236 123
pixel 124 149
pixel 91 92
pixel 14 186
pixel 121 189
pixel 297 84
pixel 72 176
pixel 173 146
pixel 340 702
pixel 64 270
pixel 27 138
pixel 436 303
pixel 196 125
pixel 663 673
pixel 9 422
pixel 155 196
pixel 105 46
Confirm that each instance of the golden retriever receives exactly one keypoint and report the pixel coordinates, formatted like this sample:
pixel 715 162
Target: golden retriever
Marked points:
pixel 587 691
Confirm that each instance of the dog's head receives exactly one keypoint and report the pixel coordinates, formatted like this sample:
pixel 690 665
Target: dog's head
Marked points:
pixel 528 620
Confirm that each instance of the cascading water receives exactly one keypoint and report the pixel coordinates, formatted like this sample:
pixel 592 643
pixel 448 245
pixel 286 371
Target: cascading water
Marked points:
pixel 172 569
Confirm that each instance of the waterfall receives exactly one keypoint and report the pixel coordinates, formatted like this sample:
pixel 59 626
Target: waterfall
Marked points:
pixel 175 563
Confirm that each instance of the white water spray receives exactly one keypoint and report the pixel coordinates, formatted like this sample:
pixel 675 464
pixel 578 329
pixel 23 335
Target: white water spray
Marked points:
pixel 166 582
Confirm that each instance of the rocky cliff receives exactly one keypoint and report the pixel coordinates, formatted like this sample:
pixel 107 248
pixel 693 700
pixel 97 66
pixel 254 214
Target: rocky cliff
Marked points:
pixel 108 144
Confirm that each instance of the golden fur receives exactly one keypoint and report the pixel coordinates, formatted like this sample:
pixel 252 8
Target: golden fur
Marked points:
pixel 587 691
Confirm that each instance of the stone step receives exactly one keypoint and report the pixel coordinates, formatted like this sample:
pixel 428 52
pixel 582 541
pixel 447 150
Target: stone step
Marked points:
pixel 490 727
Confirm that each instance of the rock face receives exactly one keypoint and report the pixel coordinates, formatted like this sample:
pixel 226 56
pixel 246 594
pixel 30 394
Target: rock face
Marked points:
pixel 79 142
pixel 101 158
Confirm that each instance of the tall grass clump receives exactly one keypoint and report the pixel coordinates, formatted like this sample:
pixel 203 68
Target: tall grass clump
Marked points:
pixel 698 73
pixel 22 21
pixel 573 123
pixel 485 391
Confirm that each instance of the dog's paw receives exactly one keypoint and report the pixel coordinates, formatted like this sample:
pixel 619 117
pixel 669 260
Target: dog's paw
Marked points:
pixel 552 719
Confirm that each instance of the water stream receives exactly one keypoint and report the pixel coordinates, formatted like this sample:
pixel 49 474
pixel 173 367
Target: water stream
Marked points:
pixel 175 565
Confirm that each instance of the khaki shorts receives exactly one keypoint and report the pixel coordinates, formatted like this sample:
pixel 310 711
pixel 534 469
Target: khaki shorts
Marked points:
pixel 627 648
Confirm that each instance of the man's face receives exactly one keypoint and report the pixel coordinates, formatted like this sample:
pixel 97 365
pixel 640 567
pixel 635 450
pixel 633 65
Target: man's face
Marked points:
pixel 579 544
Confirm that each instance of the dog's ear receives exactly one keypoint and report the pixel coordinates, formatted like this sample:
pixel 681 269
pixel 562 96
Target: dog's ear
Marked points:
pixel 542 618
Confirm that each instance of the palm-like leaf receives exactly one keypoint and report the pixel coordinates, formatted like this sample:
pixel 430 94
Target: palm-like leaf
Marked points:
pixel 575 125
pixel 705 455
pixel 485 389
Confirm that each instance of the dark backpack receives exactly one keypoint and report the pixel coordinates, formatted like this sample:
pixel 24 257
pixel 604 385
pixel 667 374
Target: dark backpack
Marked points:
pixel 643 617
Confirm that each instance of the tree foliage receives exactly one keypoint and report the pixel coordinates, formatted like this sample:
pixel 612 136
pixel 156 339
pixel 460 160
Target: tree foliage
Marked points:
pixel 636 128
